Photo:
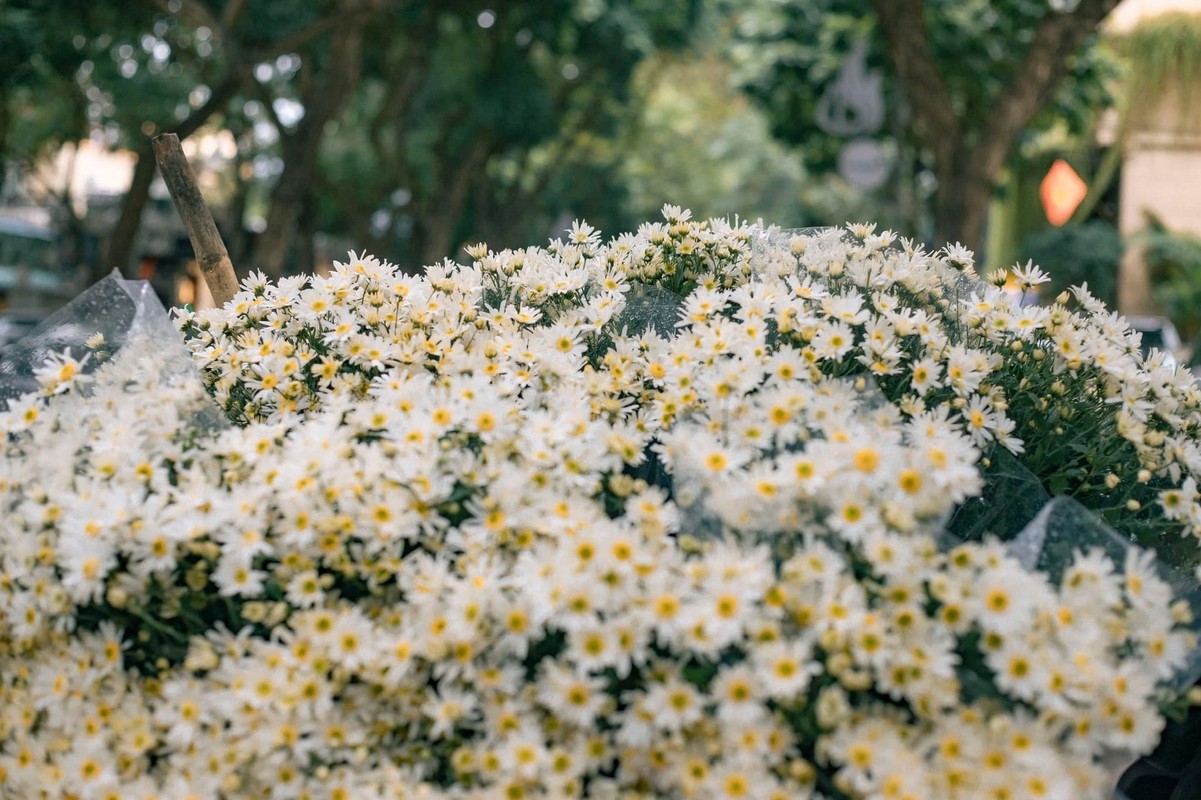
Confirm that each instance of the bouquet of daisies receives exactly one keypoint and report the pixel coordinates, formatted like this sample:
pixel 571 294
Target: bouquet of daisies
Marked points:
pixel 688 512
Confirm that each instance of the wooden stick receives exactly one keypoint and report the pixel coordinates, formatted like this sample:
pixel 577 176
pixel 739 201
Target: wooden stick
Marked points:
pixel 202 231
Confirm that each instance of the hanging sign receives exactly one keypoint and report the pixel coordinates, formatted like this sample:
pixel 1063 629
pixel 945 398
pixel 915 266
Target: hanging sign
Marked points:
pixel 853 103
pixel 853 106
pixel 1061 191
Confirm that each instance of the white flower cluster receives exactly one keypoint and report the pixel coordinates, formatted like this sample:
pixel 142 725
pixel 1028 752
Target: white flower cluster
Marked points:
pixel 474 537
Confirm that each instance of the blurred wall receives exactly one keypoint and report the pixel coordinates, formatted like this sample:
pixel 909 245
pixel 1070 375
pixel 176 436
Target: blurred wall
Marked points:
pixel 1161 169
pixel 1130 12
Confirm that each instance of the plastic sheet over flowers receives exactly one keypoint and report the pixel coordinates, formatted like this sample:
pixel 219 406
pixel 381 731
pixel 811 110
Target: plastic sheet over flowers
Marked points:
pixel 111 346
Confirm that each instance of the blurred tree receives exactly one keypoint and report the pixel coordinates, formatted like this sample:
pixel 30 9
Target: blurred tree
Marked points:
pixel 234 39
pixel 699 142
pixel 59 85
pixel 414 123
pixel 206 54
pixel 43 101
pixel 488 120
pixel 124 71
pixel 330 69
pixel 964 80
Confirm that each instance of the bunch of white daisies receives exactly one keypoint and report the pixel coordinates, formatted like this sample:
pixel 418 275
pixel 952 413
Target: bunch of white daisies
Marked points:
pixel 661 516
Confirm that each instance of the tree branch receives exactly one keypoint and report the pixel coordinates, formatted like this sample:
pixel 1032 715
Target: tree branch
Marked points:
pixel 323 97
pixel 437 241
pixel 1033 86
pixel 197 14
pixel 295 40
pixel 218 98
pixel 119 250
pixel 299 38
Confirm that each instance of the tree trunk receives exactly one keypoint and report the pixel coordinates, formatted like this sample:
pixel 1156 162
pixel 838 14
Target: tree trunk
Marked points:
pixel 120 244
pixel 438 227
pixel 322 103
pixel 72 225
pixel 960 205
pixel 300 163
pixel 961 208
pixel 306 234
pixel 968 154
pixel 119 252
pixel 236 233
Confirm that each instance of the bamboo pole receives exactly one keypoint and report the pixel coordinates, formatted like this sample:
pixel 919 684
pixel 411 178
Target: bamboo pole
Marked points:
pixel 206 241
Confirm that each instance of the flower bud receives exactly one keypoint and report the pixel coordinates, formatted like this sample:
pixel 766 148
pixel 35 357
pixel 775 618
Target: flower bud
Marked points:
pixel 802 771
pixel 117 597
pixel 196 579
pixel 831 640
pixel 254 612
pixel 832 708
pixel 855 680
pixel 1181 613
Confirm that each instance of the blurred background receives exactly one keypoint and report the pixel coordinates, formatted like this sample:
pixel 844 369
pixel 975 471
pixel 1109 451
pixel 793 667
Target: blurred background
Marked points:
pixel 1063 131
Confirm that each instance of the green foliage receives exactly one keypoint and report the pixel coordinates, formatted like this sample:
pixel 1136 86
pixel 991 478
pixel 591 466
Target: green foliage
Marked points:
pixel 70 70
pixel 39 106
pixel 786 54
pixel 471 120
pixel 20 39
pixel 1073 254
pixel 700 144
pixel 1163 60
pixel 979 45
pixel 500 121
pixel 1174 260
pixel 462 129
